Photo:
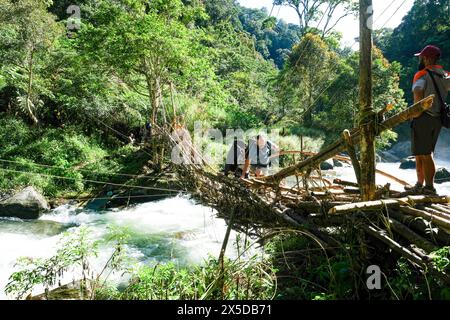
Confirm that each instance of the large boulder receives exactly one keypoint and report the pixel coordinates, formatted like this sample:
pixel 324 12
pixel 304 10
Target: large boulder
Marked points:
pixel 26 204
pixel 442 176
pixel 408 163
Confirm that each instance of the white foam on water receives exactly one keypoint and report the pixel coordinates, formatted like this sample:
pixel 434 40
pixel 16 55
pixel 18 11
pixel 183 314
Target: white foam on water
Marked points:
pixel 175 229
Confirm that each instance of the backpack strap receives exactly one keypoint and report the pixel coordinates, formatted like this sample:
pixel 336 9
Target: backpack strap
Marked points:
pixel 269 145
pixel 436 88
pixel 235 155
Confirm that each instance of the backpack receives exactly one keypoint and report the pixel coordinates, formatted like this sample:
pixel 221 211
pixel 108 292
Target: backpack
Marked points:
pixel 445 108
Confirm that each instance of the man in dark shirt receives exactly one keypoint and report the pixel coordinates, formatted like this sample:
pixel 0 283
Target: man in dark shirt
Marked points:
pixel 258 155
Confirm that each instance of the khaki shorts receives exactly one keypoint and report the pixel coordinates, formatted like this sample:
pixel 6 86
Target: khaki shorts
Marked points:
pixel 424 134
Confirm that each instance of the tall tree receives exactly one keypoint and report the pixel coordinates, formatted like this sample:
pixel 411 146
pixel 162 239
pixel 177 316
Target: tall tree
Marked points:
pixel 310 67
pixel 322 15
pixel 149 48
pixel 27 37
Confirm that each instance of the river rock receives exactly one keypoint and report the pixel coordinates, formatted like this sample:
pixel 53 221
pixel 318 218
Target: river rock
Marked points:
pixel 337 163
pixel 442 176
pixel 327 165
pixel 26 204
pixel 388 156
pixel 408 163
pixel 401 149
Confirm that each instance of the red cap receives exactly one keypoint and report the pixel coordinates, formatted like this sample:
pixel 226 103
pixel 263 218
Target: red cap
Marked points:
pixel 430 52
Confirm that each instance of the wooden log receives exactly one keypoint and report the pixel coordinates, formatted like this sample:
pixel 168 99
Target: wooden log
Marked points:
pixel 364 206
pixel 345 183
pixel 352 153
pixel 388 203
pixel 437 213
pixel 422 226
pixel 439 207
pixel 339 146
pixel 380 235
pixel 427 216
pixel 352 191
pixel 411 236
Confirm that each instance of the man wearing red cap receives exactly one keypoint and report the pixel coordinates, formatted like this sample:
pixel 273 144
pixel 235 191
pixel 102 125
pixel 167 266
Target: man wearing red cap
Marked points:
pixel 426 128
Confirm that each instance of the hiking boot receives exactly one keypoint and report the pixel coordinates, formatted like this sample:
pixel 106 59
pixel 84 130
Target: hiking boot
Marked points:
pixel 416 189
pixel 429 190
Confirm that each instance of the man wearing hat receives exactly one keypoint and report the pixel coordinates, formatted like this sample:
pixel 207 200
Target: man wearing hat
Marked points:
pixel 426 128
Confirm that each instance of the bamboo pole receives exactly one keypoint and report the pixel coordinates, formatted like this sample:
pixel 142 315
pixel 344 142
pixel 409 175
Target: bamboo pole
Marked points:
pixel 422 226
pixel 364 206
pixel 411 236
pixel 438 213
pixel 380 235
pixel 388 203
pixel 352 153
pixel 427 216
pixel 367 115
pixel 339 146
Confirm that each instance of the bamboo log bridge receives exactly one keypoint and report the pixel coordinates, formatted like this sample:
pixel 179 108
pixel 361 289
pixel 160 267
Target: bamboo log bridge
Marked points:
pixel 411 226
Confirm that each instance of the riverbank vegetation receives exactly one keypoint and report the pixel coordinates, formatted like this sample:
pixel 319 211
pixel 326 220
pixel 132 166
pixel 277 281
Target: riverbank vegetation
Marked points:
pixel 71 98
pixel 291 266
pixel 75 96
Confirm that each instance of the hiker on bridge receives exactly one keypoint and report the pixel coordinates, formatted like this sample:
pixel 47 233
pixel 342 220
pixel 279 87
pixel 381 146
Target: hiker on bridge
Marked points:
pixel 236 158
pixel 258 156
pixel 431 79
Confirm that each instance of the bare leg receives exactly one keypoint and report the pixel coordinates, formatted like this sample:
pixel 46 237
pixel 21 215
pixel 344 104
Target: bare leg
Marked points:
pixel 420 169
pixel 258 173
pixel 429 170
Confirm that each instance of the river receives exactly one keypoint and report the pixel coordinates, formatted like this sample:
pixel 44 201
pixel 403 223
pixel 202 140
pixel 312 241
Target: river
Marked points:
pixel 175 229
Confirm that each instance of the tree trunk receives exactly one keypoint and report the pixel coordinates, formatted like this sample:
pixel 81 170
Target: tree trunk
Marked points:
pixel 367 115
pixel 30 88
